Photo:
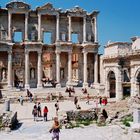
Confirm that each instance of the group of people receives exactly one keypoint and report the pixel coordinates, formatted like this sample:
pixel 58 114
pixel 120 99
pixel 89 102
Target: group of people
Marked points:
pixel 70 90
pixel 38 113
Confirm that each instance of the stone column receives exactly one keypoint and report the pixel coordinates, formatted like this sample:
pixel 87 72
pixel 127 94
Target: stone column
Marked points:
pixel 27 69
pixel 58 68
pixel 26 26
pixel 95 68
pixel 39 27
pixel 9 70
pixel 57 27
pixel 69 68
pixel 69 31
pixel 84 29
pixel 9 25
pixel 95 29
pixel 85 84
pixel 119 92
pixel 39 71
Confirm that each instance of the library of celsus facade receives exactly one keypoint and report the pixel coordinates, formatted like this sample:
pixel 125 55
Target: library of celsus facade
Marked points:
pixel 47 43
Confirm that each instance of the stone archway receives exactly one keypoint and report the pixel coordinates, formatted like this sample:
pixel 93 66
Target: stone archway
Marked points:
pixel 112 84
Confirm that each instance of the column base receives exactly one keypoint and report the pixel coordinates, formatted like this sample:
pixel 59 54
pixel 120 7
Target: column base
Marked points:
pixel 39 86
pixel 85 85
pixel 27 86
pixel 58 85
pixel 9 87
pixel 68 84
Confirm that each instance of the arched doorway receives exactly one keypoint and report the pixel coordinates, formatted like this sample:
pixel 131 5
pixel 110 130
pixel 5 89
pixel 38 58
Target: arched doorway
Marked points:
pixel 112 84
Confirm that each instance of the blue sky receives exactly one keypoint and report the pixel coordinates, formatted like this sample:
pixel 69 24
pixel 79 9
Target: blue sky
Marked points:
pixel 119 20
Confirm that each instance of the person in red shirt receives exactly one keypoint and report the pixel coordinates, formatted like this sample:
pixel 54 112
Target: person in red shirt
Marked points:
pixel 45 111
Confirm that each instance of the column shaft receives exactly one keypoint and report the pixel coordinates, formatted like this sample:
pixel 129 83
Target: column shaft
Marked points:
pixel 9 25
pixel 39 27
pixel 96 68
pixel 9 69
pixel 58 67
pixel 26 26
pixel 27 70
pixel 57 28
pixel 84 29
pixel 69 67
pixel 95 29
pixel 39 69
pixel 85 68
pixel 69 31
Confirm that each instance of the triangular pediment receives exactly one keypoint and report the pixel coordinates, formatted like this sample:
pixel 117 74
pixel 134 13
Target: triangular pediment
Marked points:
pixel 47 6
pixel 17 5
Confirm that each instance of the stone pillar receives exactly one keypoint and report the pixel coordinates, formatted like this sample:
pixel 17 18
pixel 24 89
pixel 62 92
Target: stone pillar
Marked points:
pixel 58 68
pixel 9 70
pixel 84 29
pixel 95 68
pixel 9 25
pixel 85 84
pixel 26 26
pixel 57 27
pixel 39 71
pixel 39 27
pixel 119 91
pixel 95 29
pixel 69 31
pixel 27 69
pixel 69 68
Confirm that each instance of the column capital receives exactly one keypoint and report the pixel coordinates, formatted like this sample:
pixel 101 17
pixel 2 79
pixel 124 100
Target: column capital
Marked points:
pixel 85 51
pixel 57 52
pixel 26 51
pixel 9 52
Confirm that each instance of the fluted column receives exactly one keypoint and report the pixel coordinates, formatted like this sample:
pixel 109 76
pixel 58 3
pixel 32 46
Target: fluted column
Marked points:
pixel 69 67
pixel 85 84
pixel 69 31
pixel 27 69
pixel 58 67
pixel 26 26
pixel 57 27
pixel 95 68
pixel 39 71
pixel 9 70
pixel 84 29
pixel 9 25
pixel 95 29
pixel 39 27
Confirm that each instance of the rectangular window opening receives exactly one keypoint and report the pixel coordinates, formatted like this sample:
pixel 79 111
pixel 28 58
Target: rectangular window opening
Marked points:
pixel 75 38
pixel 47 38
pixel 18 36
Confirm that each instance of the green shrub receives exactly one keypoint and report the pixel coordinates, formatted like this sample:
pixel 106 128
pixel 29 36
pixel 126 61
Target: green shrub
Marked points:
pixel 127 119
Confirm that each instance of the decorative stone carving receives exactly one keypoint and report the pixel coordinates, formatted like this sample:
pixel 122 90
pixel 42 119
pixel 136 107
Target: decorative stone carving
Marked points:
pixel 18 5
pixel 77 10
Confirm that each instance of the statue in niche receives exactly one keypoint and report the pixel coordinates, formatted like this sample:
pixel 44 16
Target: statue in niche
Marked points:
pixel 32 73
pixel 3 74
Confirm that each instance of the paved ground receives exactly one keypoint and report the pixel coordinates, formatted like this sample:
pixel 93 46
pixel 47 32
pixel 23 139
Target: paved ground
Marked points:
pixel 31 130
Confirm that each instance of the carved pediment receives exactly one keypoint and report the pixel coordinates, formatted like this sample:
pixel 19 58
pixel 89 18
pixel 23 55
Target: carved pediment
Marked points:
pixel 47 6
pixel 18 5
pixel 77 10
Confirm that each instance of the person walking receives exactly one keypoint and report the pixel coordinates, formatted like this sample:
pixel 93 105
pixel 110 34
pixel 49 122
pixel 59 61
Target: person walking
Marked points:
pixel 87 102
pixel 21 100
pixel 45 111
pixel 34 112
pixel 75 101
pixel 39 110
pixel 55 129
pixel 57 107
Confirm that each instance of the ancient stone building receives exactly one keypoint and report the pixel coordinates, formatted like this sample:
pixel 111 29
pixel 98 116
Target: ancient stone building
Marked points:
pixel 120 67
pixel 47 43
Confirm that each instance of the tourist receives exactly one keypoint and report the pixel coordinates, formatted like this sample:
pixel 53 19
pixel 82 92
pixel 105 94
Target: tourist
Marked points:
pixel 88 97
pixel 45 111
pixel 39 110
pixel 75 101
pixel 55 129
pixel 78 107
pixel 21 100
pixel 57 107
pixel 34 112
pixel 100 100
pixel 0 94
pixel 104 113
